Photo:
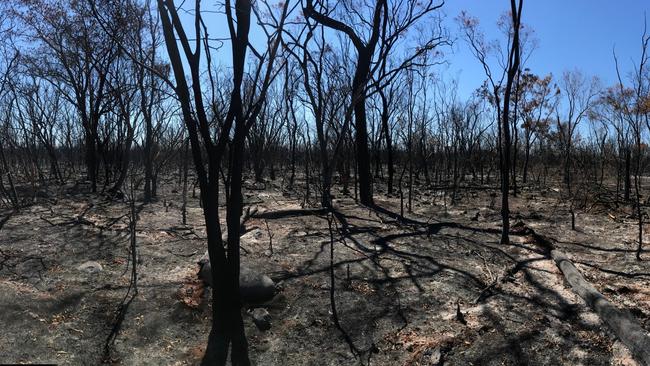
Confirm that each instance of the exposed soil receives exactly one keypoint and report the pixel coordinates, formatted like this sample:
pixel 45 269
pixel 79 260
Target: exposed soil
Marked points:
pixel 399 284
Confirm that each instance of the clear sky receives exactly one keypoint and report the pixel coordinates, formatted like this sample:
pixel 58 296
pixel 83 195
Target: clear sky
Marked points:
pixel 572 34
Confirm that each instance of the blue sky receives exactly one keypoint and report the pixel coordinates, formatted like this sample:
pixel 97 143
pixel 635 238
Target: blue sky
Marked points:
pixel 572 34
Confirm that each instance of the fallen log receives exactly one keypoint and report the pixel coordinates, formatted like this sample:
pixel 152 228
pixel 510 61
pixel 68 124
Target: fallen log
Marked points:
pixel 620 321
pixel 283 214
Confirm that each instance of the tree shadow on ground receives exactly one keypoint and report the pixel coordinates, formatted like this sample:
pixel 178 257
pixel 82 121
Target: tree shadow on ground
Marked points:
pixel 414 252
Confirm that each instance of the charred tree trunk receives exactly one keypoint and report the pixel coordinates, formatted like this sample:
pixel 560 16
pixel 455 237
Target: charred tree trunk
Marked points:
pixel 526 160
pixel 387 136
pixel 148 159
pixel 184 158
pixel 513 69
pixel 628 174
pixel 361 135
pixel 91 160
pixel 365 52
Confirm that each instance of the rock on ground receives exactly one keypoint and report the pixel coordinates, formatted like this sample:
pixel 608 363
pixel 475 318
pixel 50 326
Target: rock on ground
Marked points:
pixel 254 287
pixel 90 267
pixel 261 318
